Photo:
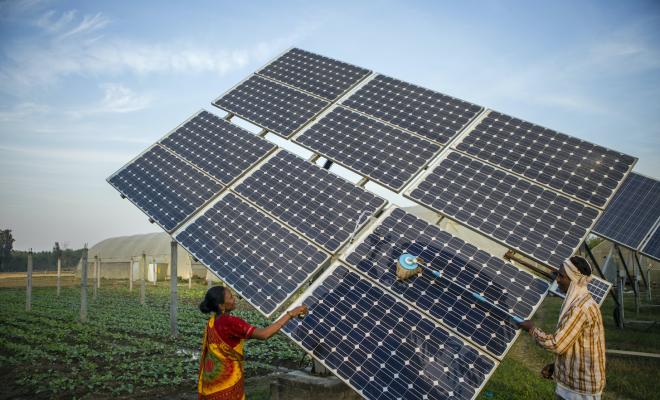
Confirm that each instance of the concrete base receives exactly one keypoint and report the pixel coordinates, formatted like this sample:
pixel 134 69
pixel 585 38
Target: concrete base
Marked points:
pixel 300 385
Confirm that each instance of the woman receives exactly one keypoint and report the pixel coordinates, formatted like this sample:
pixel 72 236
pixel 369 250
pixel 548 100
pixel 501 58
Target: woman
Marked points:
pixel 579 342
pixel 221 361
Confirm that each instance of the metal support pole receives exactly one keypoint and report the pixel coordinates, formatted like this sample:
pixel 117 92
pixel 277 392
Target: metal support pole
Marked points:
pixel 637 294
pixel 173 282
pixel 83 286
pixel 153 262
pixel 625 267
pixel 648 282
pixel 600 271
pixel 191 273
pixel 641 272
pixel 143 271
pixel 620 289
pixel 96 271
pixel 130 275
pixel 28 297
pixel 59 274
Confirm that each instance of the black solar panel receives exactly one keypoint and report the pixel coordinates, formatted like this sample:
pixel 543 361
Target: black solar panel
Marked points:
pixel 314 73
pixel 271 105
pixel 427 113
pixel 567 164
pixel 164 187
pixel 385 154
pixel 320 204
pixel 465 270
pixel 538 222
pixel 382 347
pixel 259 258
pixel 598 289
pixel 216 146
pixel 652 247
pixel 629 217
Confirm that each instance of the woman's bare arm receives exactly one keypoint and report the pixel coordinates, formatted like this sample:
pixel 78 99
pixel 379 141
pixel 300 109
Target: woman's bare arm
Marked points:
pixel 270 330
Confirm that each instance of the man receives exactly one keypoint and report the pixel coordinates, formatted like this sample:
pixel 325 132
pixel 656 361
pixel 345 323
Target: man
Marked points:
pixel 579 342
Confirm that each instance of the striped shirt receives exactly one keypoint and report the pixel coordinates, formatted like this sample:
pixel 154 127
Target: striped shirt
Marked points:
pixel 579 345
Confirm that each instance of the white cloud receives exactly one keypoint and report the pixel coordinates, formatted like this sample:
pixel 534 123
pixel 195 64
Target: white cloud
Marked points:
pixel 117 99
pixel 21 111
pixel 68 155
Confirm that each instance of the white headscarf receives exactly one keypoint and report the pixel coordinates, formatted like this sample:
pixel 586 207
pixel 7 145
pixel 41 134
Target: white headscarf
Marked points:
pixel 576 289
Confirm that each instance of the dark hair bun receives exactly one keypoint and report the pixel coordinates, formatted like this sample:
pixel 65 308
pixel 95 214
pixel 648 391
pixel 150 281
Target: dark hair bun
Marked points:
pixel 214 297
pixel 204 307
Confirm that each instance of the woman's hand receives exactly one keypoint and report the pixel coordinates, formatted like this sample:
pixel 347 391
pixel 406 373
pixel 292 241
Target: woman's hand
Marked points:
pixel 300 310
pixel 526 325
pixel 548 371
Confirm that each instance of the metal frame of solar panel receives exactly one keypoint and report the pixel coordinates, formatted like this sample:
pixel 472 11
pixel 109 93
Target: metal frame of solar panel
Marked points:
pixel 271 105
pixel 320 205
pixel 389 156
pixel 383 347
pixel 465 270
pixel 330 78
pixel 232 233
pixel 651 248
pixel 574 167
pixel 632 213
pixel 505 207
pixel 193 187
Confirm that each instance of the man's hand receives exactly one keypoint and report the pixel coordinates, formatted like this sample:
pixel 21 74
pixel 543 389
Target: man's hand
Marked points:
pixel 548 371
pixel 526 325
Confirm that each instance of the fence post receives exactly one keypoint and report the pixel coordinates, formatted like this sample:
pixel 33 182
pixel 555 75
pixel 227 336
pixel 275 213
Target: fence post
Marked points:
pixel 143 271
pixel 130 275
pixel 95 269
pixel 191 273
pixel 153 262
pixel 83 286
pixel 28 299
pixel 98 275
pixel 59 273
pixel 173 282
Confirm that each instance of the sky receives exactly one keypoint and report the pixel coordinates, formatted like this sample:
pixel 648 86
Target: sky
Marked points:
pixel 86 86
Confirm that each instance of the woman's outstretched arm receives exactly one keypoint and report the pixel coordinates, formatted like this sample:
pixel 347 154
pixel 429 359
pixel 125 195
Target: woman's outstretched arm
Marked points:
pixel 270 330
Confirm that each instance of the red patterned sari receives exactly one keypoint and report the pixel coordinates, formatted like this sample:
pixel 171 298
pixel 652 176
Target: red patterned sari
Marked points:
pixel 221 360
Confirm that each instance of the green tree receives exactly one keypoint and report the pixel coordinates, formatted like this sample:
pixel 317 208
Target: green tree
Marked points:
pixel 6 246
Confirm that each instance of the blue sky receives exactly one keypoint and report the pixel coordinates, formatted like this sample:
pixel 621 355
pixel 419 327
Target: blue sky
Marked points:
pixel 85 86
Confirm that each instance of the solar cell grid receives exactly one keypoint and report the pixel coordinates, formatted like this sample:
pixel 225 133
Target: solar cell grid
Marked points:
pixel 320 204
pixel 164 187
pixel 652 246
pixel 385 154
pixel 629 217
pixel 465 270
pixel 572 166
pixel 217 147
pixel 538 222
pixel 271 105
pixel 314 73
pixel 430 114
pixel 382 347
pixel 598 289
pixel 259 258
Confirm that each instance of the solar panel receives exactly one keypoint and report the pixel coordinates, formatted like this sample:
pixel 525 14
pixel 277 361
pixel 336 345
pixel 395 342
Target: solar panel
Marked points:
pixel 652 246
pixel 271 105
pixel 540 223
pixel 314 73
pixel 381 152
pixel 318 203
pixel 572 166
pixel 259 258
pixel 383 348
pixel 164 187
pixel 216 146
pixel 430 114
pixel 465 270
pixel 599 289
pixel 629 217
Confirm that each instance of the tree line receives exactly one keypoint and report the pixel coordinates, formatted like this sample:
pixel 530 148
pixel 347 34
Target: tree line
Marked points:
pixel 16 260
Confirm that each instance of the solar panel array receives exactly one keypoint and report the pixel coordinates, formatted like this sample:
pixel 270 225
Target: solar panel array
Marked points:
pixel 387 155
pixel 382 347
pixel 430 114
pixel 538 222
pixel 164 187
pixel 257 256
pixel 465 270
pixel 567 164
pixel 321 205
pixel 315 74
pixel 632 212
pixel 271 105
pixel 217 147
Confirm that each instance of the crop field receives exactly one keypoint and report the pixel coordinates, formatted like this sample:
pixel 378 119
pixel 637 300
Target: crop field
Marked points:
pixel 125 350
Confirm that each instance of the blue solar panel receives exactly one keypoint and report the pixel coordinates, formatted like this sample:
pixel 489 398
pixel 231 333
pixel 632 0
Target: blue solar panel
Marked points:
pixel 259 258
pixel 271 105
pixel 216 146
pixel 381 152
pixel 382 347
pixel 164 187
pixel 538 222
pixel 465 270
pixel 599 289
pixel 313 73
pixel 652 246
pixel 318 203
pixel 572 166
pixel 631 214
